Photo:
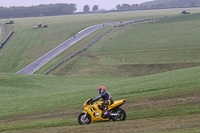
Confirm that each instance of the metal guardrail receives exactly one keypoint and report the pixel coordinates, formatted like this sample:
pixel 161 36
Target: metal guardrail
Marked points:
pixel 7 38
pixel 121 25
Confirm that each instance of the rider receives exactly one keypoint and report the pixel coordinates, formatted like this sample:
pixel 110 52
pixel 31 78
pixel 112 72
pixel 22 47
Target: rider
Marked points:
pixel 106 97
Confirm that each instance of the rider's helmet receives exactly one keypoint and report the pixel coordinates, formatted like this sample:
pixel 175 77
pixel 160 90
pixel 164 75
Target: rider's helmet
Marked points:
pixel 101 89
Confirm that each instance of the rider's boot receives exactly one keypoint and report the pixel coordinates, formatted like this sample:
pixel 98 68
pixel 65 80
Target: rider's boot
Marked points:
pixel 105 112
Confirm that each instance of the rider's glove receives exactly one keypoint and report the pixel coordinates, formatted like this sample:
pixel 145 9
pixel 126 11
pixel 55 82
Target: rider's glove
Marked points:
pixel 92 101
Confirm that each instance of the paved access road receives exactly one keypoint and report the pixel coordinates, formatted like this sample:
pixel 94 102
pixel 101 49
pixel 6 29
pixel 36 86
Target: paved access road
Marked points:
pixel 34 66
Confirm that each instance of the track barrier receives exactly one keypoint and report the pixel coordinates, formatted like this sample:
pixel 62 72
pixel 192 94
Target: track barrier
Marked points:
pixel 7 38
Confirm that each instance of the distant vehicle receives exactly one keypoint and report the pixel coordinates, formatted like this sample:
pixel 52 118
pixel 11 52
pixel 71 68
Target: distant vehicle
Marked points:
pixel 184 12
pixel 39 25
pixel 10 22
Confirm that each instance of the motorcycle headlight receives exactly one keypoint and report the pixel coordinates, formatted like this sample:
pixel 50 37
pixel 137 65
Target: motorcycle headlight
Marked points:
pixel 97 114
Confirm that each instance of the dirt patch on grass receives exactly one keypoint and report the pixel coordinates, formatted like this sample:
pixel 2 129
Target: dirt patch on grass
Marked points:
pixel 124 70
pixel 146 103
pixel 56 114
pixel 135 70
pixel 90 64
pixel 164 124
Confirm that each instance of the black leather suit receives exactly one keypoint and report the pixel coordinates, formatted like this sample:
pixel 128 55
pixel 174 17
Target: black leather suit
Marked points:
pixel 106 97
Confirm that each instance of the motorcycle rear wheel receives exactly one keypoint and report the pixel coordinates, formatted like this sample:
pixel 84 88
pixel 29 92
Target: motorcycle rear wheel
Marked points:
pixel 121 114
pixel 83 120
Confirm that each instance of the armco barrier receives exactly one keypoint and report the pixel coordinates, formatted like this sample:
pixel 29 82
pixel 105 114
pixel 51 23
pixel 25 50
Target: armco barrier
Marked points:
pixel 4 42
pixel 121 25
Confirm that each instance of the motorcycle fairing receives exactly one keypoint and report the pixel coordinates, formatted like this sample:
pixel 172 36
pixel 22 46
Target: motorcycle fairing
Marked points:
pixel 96 113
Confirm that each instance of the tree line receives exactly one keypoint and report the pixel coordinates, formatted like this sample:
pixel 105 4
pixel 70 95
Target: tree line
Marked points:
pixel 171 3
pixel 86 8
pixel 40 10
pixel 160 4
pixel 64 9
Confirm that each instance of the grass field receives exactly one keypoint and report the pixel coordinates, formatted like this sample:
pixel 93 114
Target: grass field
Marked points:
pixel 155 66
pixel 33 101
pixel 139 50
pixel 27 44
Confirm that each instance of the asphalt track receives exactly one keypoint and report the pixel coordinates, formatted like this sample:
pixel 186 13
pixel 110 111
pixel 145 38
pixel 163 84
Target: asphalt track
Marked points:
pixel 35 65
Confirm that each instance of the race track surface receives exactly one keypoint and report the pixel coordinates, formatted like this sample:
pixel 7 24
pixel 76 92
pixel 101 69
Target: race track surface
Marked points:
pixel 34 66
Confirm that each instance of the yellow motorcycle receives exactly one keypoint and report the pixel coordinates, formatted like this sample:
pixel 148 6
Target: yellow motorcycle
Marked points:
pixel 93 113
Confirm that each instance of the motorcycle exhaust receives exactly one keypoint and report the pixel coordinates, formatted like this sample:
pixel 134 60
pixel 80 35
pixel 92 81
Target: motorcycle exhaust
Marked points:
pixel 116 115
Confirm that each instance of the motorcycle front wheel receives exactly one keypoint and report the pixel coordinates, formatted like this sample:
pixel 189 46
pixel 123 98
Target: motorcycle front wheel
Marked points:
pixel 84 119
pixel 121 114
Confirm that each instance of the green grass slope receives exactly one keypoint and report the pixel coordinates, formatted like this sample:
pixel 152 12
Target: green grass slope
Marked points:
pixel 126 65
pixel 139 50
pixel 33 101
pixel 27 44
